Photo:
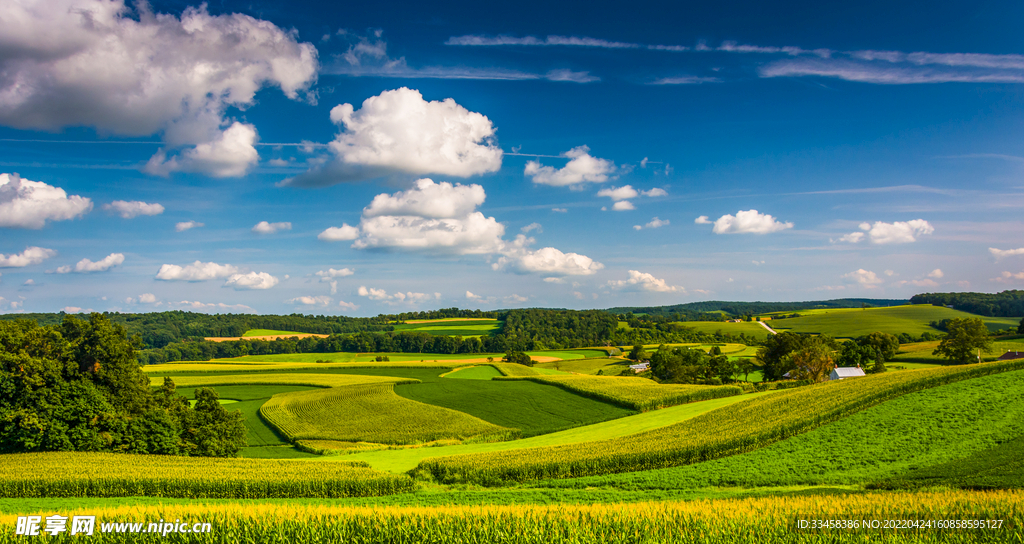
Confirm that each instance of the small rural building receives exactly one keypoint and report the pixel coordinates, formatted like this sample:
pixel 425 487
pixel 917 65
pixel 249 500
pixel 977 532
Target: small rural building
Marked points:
pixel 1011 355
pixel 843 372
pixel 642 367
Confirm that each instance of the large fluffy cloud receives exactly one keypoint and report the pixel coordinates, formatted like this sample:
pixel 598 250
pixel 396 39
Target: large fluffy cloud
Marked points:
pixel 398 131
pixel 197 271
pixel 98 63
pixel 31 255
pixel 436 217
pixel 546 261
pixel 252 280
pixel 134 208
pixel 582 168
pixel 645 282
pixel 30 204
pixel 747 222
pixel 898 232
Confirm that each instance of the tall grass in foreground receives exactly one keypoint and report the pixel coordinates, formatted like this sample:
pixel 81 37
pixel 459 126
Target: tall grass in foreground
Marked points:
pixel 737 428
pixel 765 519
pixel 80 474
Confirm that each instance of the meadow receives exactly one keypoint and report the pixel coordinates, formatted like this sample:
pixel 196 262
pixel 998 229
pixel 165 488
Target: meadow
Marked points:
pixel 711 327
pixel 854 322
pixel 452 327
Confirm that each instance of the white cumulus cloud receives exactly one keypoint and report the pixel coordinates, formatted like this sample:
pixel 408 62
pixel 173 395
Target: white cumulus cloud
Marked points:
pixel 898 232
pixel 338 234
pixel 197 271
pixel 264 227
pixel 749 222
pixel 702 220
pixel 331 273
pixel 619 193
pixel 645 282
pixel 429 200
pixel 104 264
pixel 398 131
pixel 134 208
pixel 623 206
pixel 31 255
pixel 213 306
pixel 186 225
pixel 30 204
pixel 937 273
pixel 1003 253
pixel 147 298
pixel 532 227
pixel 321 300
pixel 348 305
pixel 655 192
pixel 865 278
pixel 397 298
pixel 252 280
pixel 101 64
pixel 547 261
pixel 1009 277
pixel 582 168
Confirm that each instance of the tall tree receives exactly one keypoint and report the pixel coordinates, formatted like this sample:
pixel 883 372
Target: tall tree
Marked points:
pixel 964 338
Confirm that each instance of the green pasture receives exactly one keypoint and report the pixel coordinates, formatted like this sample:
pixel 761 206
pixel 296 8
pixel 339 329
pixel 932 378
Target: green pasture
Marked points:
pixel 478 372
pixel 268 332
pixel 402 460
pixel 586 366
pixel 902 436
pixel 921 352
pixel 481 327
pixel 711 327
pixel 854 322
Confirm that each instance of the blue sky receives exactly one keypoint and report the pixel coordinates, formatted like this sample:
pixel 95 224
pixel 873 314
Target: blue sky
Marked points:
pixel 273 157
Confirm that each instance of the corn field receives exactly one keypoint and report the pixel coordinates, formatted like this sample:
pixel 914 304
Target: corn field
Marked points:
pixel 737 428
pixel 764 519
pixel 80 474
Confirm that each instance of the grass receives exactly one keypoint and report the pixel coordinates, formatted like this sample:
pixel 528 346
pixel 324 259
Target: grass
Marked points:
pixel 711 327
pixel 479 372
pixel 713 435
pixel 403 460
pixel 921 352
pixel 532 408
pixel 452 327
pixel 998 467
pixel 568 354
pixel 249 399
pixel 854 322
pixel 369 413
pixel 934 426
pixel 587 366
pixel 636 393
pixel 268 332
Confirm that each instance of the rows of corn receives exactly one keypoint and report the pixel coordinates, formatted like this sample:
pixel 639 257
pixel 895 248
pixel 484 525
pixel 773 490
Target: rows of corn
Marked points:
pixel 639 394
pixel 370 413
pixel 737 428
pixel 765 519
pixel 81 474
pixel 281 378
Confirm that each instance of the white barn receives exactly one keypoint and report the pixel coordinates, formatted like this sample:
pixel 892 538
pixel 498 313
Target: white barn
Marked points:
pixel 843 372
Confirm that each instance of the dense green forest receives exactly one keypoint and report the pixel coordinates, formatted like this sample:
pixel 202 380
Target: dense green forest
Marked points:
pixel 695 311
pixel 1004 304
pixel 77 386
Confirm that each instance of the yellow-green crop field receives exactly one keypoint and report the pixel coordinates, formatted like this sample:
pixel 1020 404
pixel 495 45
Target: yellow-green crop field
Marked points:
pixel 637 393
pixel 280 378
pixel 854 322
pixel 721 521
pixel 369 413
pixel 737 428
pixel 748 328
pixel 82 474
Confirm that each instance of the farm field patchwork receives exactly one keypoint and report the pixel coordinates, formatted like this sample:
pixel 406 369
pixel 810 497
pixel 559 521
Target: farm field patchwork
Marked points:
pixel 921 352
pixel 248 399
pixel 594 365
pixel 268 332
pixel 902 435
pixel 712 435
pixel 636 393
pixel 366 413
pixel 277 378
pixel 711 327
pixel 449 327
pixel 854 322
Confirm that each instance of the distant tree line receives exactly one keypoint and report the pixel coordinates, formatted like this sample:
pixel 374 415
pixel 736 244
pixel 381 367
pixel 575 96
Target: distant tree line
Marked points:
pixel 694 309
pixel 1005 304
pixel 444 313
pixel 77 386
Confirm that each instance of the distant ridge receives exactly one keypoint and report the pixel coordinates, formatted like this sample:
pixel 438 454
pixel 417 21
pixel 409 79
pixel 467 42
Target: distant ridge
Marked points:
pixel 744 308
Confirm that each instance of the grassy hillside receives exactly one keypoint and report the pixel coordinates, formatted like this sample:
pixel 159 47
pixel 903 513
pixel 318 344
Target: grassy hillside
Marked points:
pixel 854 322
pixel 711 327
pixel 900 436
pixel 453 327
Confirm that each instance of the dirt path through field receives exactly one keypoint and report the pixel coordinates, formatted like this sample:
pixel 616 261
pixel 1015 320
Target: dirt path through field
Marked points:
pixel 769 329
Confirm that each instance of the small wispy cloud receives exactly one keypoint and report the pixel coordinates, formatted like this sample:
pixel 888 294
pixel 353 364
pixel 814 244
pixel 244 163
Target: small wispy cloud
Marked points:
pixel 684 80
pixel 533 41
